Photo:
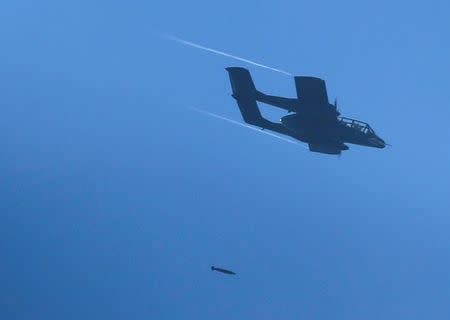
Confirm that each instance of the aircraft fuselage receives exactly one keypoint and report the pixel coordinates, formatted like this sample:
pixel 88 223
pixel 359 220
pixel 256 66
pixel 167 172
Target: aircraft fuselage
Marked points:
pixel 326 128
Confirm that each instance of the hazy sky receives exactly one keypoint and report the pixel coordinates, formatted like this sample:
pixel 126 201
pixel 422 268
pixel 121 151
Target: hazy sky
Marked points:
pixel 116 197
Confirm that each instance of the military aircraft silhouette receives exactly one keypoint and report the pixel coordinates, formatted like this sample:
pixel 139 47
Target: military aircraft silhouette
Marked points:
pixel 314 121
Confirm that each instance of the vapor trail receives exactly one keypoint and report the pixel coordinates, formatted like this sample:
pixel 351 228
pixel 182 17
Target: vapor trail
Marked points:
pixel 241 124
pixel 192 44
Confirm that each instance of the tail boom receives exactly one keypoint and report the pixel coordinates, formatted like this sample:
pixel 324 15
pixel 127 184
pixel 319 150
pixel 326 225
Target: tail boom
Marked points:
pixel 246 95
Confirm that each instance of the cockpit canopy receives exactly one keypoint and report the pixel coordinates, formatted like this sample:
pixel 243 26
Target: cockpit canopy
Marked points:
pixel 363 127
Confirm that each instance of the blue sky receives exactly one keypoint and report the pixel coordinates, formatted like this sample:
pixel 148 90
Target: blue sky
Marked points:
pixel 115 197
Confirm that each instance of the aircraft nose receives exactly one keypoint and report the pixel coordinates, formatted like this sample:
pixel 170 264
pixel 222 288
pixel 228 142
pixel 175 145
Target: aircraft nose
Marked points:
pixel 378 142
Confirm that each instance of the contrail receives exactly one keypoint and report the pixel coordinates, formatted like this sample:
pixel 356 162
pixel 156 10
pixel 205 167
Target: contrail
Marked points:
pixel 192 44
pixel 241 124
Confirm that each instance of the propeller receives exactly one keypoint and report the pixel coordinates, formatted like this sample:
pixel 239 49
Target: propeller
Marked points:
pixel 336 105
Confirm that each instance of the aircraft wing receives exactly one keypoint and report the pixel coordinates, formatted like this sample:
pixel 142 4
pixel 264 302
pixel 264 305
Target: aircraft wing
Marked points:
pixel 311 90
